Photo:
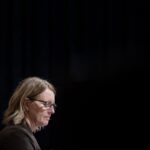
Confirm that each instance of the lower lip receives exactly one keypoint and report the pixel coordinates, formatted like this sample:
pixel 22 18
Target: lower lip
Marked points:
pixel 48 118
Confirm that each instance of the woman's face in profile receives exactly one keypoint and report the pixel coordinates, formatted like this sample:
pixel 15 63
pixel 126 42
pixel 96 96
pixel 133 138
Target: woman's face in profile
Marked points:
pixel 41 109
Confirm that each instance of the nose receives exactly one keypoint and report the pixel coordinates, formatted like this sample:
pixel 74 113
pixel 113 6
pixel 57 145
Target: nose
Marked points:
pixel 51 110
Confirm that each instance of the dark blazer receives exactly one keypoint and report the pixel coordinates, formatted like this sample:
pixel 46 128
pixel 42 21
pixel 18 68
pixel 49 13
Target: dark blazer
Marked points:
pixel 18 137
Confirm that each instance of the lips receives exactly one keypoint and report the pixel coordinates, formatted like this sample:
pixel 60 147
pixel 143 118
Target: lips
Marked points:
pixel 47 118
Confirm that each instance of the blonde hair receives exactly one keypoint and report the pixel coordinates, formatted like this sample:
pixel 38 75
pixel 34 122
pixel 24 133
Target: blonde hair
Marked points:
pixel 29 87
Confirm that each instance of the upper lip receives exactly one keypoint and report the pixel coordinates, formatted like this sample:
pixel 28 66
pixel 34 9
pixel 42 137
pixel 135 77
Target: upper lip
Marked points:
pixel 47 116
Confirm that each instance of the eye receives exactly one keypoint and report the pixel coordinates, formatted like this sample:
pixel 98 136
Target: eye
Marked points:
pixel 47 104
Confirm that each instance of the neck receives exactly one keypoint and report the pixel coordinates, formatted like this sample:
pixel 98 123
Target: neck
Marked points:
pixel 31 125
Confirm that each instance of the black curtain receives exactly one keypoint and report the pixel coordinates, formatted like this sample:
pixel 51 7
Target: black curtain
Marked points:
pixel 96 53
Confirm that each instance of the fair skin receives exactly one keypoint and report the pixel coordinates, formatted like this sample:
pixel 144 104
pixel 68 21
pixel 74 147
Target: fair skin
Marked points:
pixel 38 115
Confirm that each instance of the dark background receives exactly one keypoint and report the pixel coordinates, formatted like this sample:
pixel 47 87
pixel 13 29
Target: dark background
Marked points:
pixel 96 53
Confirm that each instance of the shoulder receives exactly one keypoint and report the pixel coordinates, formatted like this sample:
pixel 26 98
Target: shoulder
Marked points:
pixel 14 130
pixel 16 137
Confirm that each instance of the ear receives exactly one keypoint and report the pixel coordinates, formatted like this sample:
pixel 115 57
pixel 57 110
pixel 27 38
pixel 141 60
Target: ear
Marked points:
pixel 26 105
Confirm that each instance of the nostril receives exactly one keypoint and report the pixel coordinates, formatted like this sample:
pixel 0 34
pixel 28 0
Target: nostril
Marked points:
pixel 53 111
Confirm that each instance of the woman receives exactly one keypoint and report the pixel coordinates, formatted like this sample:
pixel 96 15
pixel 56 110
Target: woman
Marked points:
pixel 30 108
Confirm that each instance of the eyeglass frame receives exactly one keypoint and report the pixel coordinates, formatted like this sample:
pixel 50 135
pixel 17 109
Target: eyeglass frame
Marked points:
pixel 45 103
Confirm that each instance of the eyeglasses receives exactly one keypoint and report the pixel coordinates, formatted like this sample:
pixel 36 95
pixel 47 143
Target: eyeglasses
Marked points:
pixel 45 103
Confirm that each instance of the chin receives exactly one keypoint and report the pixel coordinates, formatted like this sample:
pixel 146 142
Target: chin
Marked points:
pixel 45 123
pixel 42 124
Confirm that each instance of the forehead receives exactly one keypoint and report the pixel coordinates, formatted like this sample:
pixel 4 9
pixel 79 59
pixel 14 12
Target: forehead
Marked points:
pixel 47 95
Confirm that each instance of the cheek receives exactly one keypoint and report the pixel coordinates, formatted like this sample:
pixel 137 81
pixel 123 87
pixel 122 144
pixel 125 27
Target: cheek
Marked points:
pixel 44 116
pixel 38 115
pixel 41 116
pixel 35 113
pixel 42 120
